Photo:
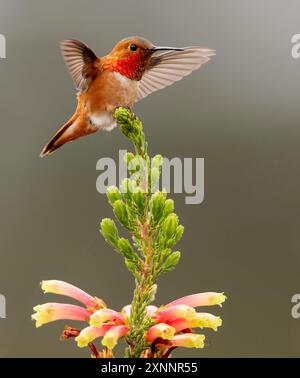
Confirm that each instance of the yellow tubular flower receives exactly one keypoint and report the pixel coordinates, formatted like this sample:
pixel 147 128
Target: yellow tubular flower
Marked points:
pixel 112 336
pixel 89 334
pixel 188 340
pixel 205 320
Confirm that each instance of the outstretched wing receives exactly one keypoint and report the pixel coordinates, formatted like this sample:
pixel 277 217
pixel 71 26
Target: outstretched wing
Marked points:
pixel 167 68
pixel 80 61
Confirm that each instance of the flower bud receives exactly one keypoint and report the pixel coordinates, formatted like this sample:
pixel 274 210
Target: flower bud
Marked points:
pixel 139 201
pixel 130 126
pixel 171 261
pixel 133 267
pixel 169 207
pixel 170 226
pixel 179 233
pixel 152 293
pixel 121 212
pixel 126 249
pixel 113 194
pixel 157 207
pixel 109 230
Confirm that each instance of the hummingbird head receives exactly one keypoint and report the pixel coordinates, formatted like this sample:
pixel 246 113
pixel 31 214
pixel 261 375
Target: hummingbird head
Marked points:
pixel 131 56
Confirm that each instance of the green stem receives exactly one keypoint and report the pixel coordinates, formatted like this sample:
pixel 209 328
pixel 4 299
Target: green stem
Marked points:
pixel 143 296
pixel 131 127
pixel 154 228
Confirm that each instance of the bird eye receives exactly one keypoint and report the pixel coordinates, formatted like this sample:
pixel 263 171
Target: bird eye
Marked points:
pixel 133 47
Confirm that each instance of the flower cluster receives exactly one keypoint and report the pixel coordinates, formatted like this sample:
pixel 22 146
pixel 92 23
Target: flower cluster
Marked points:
pixel 170 326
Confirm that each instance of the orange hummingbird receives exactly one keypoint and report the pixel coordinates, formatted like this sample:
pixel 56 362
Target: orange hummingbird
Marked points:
pixel 130 72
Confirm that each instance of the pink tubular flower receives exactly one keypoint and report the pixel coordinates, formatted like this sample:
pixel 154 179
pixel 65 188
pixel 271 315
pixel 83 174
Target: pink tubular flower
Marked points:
pixel 89 334
pixel 126 311
pixel 201 320
pixel 112 336
pixel 161 330
pixel 188 340
pixel 151 309
pixel 180 324
pixel 105 315
pixel 64 288
pixel 168 313
pixel 200 299
pixel 50 312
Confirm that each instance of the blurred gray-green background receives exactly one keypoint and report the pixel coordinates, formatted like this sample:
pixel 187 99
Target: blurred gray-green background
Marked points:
pixel 240 112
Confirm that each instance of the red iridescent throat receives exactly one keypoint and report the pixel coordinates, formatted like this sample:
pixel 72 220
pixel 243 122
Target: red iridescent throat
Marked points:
pixel 131 67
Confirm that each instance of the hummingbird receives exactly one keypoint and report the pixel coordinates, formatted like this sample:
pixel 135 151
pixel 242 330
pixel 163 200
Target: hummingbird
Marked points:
pixel 133 69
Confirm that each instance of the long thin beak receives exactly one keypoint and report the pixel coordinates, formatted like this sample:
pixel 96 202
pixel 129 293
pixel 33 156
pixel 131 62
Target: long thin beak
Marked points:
pixel 166 48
